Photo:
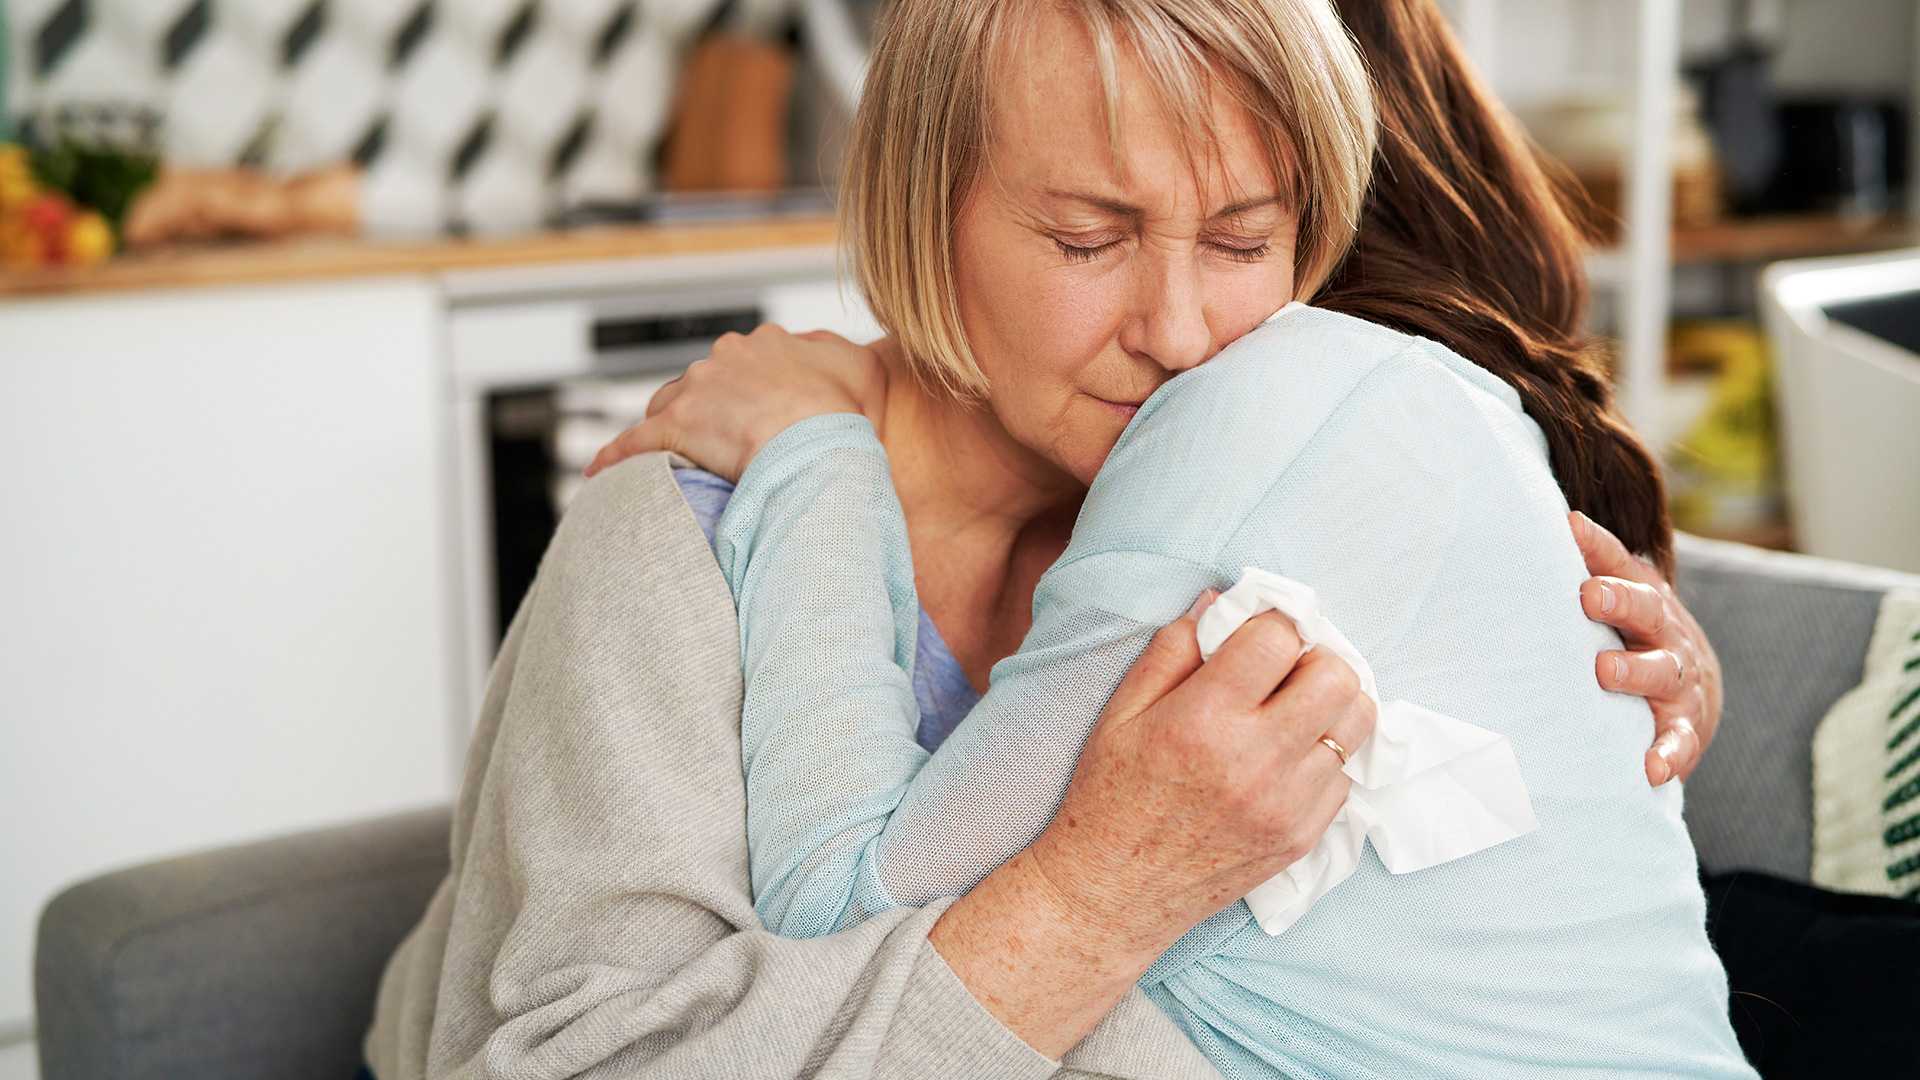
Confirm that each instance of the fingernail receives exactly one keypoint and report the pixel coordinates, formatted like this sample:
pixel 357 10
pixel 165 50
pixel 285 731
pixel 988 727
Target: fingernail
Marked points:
pixel 1663 769
pixel 1619 670
pixel 1607 599
pixel 1200 603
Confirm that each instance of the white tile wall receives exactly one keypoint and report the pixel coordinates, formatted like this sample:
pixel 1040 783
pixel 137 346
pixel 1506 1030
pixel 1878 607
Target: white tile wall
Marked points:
pixel 507 81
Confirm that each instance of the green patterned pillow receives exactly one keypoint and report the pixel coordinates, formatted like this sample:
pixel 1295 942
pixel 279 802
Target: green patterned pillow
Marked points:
pixel 1866 766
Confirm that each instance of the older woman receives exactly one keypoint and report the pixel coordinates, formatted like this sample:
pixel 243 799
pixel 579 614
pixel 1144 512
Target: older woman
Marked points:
pixel 596 921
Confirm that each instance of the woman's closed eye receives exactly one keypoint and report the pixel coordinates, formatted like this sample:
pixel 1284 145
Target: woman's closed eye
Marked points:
pixel 1085 248
pixel 1239 249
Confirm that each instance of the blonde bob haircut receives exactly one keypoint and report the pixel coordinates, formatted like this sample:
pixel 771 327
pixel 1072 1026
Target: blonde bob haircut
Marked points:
pixel 919 138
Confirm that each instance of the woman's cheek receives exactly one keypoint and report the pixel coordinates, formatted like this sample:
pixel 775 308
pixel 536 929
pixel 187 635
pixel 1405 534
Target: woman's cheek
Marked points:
pixel 1078 325
pixel 1244 296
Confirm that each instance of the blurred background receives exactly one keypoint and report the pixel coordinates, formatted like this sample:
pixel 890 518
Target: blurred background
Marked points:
pixel 311 310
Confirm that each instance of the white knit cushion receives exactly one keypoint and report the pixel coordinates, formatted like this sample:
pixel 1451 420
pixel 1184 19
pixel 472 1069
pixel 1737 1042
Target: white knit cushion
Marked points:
pixel 1866 766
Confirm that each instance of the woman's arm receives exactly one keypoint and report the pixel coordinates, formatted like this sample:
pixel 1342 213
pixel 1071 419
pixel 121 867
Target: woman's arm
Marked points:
pixel 597 921
pixel 813 546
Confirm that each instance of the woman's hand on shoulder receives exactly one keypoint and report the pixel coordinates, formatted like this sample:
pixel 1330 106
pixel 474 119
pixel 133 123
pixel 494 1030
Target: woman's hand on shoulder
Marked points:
pixel 746 390
pixel 1668 659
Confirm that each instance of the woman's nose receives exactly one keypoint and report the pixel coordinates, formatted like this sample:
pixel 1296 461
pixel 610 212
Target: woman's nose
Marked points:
pixel 1169 326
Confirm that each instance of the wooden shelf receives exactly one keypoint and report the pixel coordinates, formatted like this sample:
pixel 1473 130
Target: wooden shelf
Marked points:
pixel 1788 237
pixel 1760 240
pixel 1765 239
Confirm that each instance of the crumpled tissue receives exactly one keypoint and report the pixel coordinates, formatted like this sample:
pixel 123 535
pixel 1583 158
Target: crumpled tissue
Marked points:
pixel 1427 788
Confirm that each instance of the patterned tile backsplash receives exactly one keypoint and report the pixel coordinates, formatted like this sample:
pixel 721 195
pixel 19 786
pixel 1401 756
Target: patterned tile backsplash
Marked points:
pixel 487 114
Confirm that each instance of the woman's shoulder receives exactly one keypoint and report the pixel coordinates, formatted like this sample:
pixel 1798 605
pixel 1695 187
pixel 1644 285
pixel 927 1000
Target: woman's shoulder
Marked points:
pixel 1311 375
pixel 707 496
pixel 1301 347
pixel 1308 392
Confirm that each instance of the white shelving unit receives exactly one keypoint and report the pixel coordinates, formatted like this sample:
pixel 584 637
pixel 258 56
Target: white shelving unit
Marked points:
pixel 1639 272
pixel 1913 126
pixel 1646 281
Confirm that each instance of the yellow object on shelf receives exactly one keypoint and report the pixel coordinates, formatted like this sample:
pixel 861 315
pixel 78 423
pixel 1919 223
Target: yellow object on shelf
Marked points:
pixel 1726 468
pixel 20 246
pixel 89 240
pixel 16 178
pixel 40 226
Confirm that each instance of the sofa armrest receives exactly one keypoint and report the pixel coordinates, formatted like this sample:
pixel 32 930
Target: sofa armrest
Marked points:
pixel 1792 634
pixel 257 960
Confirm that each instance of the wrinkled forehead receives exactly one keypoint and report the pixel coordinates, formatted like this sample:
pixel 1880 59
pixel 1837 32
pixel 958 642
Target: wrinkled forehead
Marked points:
pixel 1110 90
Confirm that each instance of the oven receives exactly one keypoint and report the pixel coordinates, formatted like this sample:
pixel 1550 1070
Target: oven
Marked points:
pixel 547 363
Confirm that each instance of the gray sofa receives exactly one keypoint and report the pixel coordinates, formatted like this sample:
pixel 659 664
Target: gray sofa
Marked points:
pixel 261 961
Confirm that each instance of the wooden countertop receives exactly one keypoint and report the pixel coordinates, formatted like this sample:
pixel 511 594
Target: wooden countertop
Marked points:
pixel 258 263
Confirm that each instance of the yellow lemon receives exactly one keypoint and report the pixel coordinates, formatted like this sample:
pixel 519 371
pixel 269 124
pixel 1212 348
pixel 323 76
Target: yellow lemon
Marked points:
pixel 89 240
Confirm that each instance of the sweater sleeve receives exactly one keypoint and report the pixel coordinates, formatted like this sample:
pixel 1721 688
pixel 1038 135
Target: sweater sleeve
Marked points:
pixel 814 547
pixel 597 920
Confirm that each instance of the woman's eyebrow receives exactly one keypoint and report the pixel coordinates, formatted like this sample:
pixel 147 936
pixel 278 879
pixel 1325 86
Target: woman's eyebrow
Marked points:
pixel 1244 206
pixel 1102 202
pixel 1125 209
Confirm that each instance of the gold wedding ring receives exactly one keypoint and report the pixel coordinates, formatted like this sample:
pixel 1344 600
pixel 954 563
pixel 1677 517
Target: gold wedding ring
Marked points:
pixel 1340 751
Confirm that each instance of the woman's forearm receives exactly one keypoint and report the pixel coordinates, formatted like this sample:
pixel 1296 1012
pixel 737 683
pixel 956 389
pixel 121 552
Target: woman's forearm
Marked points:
pixel 814 547
pixel 1035 960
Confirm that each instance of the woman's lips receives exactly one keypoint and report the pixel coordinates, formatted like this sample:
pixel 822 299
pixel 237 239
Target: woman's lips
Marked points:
pixel 1123 409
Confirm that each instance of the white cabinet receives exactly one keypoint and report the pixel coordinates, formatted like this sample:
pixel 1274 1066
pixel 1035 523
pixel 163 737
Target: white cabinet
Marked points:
pixel 227 600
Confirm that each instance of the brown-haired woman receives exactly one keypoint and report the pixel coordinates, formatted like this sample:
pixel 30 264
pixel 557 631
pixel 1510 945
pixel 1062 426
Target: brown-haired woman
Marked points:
pixel 990 490
pixel 1452 174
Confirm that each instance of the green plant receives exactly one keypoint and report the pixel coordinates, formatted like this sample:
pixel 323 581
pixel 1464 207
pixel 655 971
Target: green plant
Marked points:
pixel 104 178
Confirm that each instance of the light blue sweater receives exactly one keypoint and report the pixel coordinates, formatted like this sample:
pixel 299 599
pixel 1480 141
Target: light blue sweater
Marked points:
pixel 1406 486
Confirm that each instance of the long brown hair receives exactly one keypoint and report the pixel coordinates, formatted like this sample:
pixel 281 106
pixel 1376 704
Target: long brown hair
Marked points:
pixel 1464 240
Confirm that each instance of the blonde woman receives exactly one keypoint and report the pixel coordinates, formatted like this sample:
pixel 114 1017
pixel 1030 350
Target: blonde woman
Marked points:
pixel 598 920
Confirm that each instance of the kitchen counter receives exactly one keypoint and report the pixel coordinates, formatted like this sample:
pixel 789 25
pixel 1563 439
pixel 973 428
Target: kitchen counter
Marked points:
pixel 322 258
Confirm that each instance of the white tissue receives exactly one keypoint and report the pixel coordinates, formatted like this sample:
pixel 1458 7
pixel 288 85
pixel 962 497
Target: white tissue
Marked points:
pixel 1427 788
